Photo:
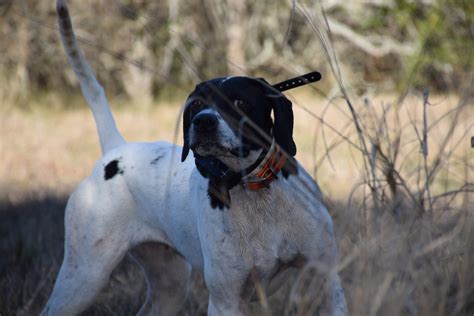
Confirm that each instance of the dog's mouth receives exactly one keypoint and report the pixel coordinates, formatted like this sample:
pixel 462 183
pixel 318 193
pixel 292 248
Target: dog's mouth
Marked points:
pixel 242 151
pixel 206 148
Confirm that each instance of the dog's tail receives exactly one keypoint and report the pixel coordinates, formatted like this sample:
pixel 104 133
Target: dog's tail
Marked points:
pixel 93 92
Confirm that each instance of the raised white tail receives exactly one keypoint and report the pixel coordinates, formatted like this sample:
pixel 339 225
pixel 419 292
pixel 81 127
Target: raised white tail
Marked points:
pixel 109 135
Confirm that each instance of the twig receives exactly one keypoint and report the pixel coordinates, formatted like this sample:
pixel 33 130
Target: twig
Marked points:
pixel 424 148
pixel 382 291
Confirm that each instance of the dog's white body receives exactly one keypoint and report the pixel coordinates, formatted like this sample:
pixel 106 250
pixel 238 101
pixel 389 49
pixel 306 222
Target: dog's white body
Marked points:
pixel 167 203
pixel 141 197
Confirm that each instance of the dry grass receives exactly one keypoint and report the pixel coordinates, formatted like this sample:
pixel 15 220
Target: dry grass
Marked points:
pixel 47 149
pixel 403 251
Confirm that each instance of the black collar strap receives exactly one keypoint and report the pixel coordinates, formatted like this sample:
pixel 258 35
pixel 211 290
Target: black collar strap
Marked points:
pixel 298 81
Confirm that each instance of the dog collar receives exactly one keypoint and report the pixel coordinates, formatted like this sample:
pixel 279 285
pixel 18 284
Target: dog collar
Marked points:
pixel 266 172
pixel 298 81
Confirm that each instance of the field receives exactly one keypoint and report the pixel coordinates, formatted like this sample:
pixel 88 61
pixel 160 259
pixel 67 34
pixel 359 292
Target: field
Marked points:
pixel 402 206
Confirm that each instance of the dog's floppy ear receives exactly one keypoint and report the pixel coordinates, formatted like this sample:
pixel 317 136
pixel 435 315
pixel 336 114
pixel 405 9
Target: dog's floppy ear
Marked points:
pixel 283 118
pixel 186 125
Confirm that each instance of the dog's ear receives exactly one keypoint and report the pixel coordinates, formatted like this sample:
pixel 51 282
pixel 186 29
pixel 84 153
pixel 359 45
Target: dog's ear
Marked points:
pixel 186 125
pixel 283 118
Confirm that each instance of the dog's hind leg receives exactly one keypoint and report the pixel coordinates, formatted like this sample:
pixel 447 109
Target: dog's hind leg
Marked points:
pixel 98 234
pixel 168 276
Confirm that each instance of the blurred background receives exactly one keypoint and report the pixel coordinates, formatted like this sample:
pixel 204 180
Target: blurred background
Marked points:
pixel 387 133
pixel 149 48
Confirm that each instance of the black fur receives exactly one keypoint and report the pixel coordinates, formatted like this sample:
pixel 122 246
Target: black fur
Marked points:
pixel 221 179
pixel 256 101
pixel 219 197
pixel 112 169
pixel 186 126
pixel 158 158
pixel 283 113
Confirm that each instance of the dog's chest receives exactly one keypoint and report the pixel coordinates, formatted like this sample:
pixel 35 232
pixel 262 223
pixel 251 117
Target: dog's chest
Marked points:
pixel 264 229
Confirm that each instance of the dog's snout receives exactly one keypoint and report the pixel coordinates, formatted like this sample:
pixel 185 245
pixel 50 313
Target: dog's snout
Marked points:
pixel 205 122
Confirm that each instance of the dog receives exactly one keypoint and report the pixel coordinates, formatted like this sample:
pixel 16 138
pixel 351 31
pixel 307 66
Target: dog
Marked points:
pixel 233 203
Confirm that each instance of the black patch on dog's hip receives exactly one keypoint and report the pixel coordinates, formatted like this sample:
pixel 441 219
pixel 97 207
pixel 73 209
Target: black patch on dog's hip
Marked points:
pixel 112 169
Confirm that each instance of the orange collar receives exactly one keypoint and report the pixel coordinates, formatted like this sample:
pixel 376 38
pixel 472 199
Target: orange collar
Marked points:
pixel 266 172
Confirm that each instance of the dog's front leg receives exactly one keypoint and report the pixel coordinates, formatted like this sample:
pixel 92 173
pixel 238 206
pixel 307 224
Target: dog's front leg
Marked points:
pixel 226 275
pixel 226 296
pixel 219 307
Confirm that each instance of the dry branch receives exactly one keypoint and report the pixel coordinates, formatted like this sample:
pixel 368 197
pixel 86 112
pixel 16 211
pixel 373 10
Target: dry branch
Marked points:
pixel 374 46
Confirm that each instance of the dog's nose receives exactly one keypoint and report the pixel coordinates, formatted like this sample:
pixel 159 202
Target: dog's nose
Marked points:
pixel 205 122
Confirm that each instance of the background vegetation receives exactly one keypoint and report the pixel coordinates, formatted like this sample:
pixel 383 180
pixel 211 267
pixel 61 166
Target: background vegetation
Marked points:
pixel 387 134
pixel 145 48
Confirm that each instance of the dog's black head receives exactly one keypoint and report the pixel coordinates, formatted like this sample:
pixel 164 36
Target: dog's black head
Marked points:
pixel 228 124
pixel 231 117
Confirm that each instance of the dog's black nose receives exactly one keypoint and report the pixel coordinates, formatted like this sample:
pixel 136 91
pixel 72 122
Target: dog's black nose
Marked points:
pixel 205 122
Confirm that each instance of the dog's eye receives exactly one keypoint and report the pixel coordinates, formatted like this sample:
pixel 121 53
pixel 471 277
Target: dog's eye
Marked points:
pixel 242 105
pixel 196 106
pixel 197 103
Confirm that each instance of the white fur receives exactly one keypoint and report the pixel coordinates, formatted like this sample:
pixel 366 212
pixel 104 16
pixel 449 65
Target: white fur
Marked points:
pixel 158 200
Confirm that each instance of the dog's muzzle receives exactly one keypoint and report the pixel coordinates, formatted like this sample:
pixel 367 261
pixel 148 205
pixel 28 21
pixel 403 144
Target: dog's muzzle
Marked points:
pixel 205 130
pixel 208 138
pixel 205 123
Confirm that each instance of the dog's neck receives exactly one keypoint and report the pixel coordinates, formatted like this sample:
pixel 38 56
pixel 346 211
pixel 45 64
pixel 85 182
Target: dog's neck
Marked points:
pixel 254 177
pixel 267 170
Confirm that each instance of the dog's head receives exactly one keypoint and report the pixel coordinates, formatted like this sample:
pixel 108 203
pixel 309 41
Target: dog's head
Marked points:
pixel 231 119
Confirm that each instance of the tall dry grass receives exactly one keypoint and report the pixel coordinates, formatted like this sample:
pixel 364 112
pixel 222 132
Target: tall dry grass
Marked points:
pixel 402 208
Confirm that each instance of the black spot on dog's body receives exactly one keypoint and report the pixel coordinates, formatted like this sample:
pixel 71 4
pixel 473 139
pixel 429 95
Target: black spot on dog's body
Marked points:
pixel 290 167
pixel 215 202
pixel 160 154
pixel 158 158
pixel 218 197
pixel 221 180
pixel 112 169
pixel 298 261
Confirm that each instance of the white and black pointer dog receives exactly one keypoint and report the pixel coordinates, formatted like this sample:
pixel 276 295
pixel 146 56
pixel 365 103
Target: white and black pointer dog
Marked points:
pixel 239 208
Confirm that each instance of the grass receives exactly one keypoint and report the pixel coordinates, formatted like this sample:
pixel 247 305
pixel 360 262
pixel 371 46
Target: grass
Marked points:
pixel 406 245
